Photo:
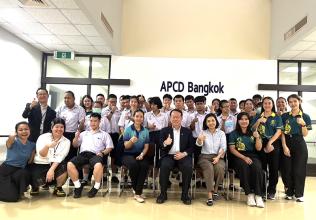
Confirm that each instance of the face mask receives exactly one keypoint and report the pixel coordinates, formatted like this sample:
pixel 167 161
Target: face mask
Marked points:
pixel 96 110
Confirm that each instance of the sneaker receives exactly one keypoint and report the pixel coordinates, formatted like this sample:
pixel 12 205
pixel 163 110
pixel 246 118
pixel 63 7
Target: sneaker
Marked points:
pixel 114 179
pixel 142 195
pixel 34 191
pixel 251 200
pixel 59 192
pixel 93 191
pixel 216 196
pixel 300 199
pixel 259 201
pixel 209 202
pixel 139 198
pixel 288 197
pixel 77 192
pixel 45 187
pixel 271 196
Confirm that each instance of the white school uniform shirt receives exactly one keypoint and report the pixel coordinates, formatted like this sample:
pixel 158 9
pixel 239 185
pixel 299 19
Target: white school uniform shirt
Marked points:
pixel 56 154
pixel 198 124
pixel 160 120
pixel 186 119
pixel 230 123
pixel 213 142
pixel 94 142
pixel 124 119
pixel 176 141
pixel 72 116
pixel 113 123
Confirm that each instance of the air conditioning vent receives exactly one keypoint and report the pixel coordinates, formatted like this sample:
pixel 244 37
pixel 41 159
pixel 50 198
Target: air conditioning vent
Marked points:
pixel 107 24
pixel 296 28
pixel 33 3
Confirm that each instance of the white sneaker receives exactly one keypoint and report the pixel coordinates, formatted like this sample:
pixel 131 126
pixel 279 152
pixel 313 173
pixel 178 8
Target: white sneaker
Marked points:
pixel 251 200
pixel 139 199
pixel 288 197
pixel 142 195
pixel 259 201
pixel 300 199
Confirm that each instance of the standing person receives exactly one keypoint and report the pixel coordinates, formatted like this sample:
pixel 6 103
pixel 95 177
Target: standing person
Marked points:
pixel 213 143
pixel 49 165
pixel 74 116
pixel 233 107
pixel 100 97
pixel 126 118
pixel 95 145
pixel 176 147
pixel 257 102
pixel 269 126
pixel 189 102
pixel 143 104
pixel 179 104
pixel 241 105
pixel 167 100
pixel 136 144
pixel 113 114
pixel 244 145
pixel 87 104
pixel 281 106
pixel 296 127
pixel 39 114
pixel 215 107
pixel 249 108
pixel 14 178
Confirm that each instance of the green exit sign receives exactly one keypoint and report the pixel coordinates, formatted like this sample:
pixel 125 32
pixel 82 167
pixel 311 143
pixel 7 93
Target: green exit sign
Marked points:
pixel 67 55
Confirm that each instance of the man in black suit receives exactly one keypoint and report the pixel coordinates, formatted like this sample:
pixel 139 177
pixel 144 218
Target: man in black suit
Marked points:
pixel 176 145
pixel 39 114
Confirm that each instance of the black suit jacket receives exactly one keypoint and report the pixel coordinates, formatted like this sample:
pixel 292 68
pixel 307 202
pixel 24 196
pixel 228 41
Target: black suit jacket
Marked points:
pixel 34 117
pixel 186 141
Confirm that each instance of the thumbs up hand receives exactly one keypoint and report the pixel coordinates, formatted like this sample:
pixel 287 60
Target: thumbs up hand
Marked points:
pixel 134 139
pixel 168 141
pixel 201 137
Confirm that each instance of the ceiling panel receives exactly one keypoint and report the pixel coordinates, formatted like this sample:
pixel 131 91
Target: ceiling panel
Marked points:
pixel 76 16
pixel 46 39
pixel 31 28
pixel 97 41
pixel 87 30
pixel 103 49
pixel 84 49
pixel 308 55
pixel 52 16
pixel 65 4
pixel 311 37
pixel 78 40
pixel 53 47
pixel 15 15
pixel 41 47
pixel 302 45
pixel 62 29
pixel 290 54
pixel 9 3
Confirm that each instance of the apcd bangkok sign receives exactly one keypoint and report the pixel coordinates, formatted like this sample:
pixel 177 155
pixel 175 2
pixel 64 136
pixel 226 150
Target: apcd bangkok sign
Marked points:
pixel 190 87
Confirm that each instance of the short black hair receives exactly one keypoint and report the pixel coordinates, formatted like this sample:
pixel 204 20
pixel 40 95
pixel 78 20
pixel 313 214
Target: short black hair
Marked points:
pixel 222 102
pixel 199 99
pixel 178 97
pixel 41 89
pixel 205 120
pixel 100 94
pixel 59 121
pixel 168 96
pixel 189 97
pixel 71 93
pixel 257 96
pixel 176 110
pixel 95 115
pixel 233 99
pixel 112 96
pixel 156 101
pixel 21 123
pixel 138 110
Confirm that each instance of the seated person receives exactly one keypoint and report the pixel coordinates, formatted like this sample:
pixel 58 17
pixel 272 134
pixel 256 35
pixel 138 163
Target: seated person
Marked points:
pixel 14 178
pixel 213 143
pixel 136 143
pixel 94 145
pixel 244 145
pixel 176 144
pixel 49 165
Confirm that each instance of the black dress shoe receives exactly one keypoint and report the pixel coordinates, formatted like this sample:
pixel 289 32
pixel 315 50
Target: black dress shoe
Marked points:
pixel 186 199
pixel 77 192
pixel 93 191
pixel 161 198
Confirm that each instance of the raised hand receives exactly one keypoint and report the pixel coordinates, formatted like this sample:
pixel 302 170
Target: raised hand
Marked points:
pixel 201 137
pixel 168 141
pixel 33 103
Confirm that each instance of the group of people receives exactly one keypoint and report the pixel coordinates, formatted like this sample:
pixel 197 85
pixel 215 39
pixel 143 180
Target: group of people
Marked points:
pixel 76 140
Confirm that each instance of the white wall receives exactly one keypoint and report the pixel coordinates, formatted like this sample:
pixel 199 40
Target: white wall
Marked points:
pixel 285 14
pixel 239 77
pixel 20 73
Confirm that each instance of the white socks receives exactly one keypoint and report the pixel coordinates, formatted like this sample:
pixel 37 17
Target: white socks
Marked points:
pixel 77 184
pixel 97 185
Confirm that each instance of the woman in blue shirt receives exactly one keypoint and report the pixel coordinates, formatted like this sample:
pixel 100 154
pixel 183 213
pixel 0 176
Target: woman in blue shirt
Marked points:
pixel 244 144
pixel 296 127
pixel 269 126
pixel 14 178
pixel 136 143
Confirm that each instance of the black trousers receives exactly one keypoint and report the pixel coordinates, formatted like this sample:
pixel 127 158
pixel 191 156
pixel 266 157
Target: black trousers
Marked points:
pixel 72 151
pixel 294 167
pixel 137 170
pixel 251 176
pixel 167 163
pixel 271 161
pixel 13 182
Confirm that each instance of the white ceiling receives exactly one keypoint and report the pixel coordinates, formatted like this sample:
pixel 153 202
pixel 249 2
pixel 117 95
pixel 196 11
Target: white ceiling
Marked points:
pixel 60 26
pixel 303 49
